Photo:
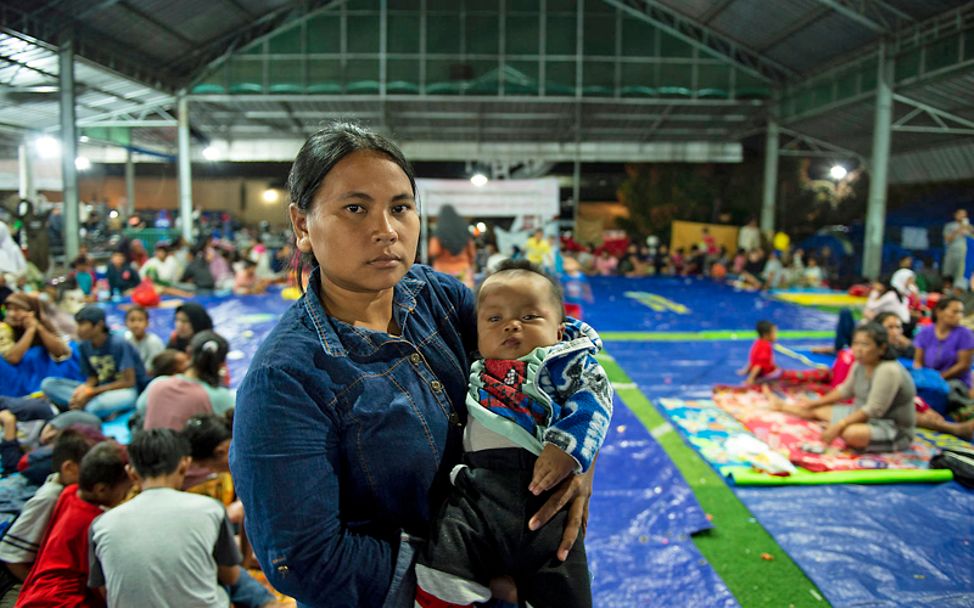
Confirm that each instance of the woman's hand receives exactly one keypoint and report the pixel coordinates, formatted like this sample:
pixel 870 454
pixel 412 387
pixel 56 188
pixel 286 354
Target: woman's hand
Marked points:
pixel 28 321
pixel 829 435
pixel 576 489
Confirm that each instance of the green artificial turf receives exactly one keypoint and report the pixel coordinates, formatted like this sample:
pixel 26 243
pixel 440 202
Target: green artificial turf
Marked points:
pixel 721 334
pixel 735 545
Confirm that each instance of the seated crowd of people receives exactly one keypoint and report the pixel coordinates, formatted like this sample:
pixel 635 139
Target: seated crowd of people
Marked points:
pixel 153 523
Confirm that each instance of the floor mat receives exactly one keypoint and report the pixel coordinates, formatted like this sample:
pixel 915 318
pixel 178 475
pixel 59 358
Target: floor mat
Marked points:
pixel 901 545
pixel 800 439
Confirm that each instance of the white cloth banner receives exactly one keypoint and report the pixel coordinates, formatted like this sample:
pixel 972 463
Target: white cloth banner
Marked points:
pixel 497 198
pixel 915 238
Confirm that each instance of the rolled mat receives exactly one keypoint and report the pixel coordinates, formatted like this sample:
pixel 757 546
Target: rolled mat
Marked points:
pixel 746 476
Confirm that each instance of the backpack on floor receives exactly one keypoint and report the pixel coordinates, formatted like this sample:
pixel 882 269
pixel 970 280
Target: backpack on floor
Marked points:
pixel 958 459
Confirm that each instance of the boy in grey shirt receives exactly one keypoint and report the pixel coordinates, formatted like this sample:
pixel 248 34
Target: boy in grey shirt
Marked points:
pixel 164 547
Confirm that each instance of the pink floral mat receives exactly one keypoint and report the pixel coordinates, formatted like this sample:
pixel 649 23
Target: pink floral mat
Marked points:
pixel 799 439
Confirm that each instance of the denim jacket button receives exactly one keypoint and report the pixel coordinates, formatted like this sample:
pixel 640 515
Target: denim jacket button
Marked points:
pixel 415 358
pixel 436 385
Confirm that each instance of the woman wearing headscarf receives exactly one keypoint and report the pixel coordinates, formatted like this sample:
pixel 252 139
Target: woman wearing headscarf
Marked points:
pixel 451 249
pixel 12 259
pixel 191 319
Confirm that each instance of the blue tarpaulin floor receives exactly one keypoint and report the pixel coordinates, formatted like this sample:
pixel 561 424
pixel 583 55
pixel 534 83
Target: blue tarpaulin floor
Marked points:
pixel 862 545
pixel 890 545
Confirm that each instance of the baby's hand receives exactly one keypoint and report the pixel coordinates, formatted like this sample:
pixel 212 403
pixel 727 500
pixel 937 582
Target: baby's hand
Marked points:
pixel 552 466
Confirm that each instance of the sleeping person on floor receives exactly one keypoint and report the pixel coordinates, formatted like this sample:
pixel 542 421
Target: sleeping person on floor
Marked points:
pixel 882 417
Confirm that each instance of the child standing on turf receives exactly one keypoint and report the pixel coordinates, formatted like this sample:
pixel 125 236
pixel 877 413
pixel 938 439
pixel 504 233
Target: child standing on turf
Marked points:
pixel 59 577
pixel 539 406
pixel 146 343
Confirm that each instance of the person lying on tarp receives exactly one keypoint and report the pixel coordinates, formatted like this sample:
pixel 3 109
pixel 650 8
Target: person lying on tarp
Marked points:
pixel 882 417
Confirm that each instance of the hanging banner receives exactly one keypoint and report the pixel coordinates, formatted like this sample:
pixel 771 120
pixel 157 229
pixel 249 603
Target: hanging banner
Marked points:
pixel 497 198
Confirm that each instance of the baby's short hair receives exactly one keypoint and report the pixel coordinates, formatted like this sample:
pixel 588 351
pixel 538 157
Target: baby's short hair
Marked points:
pixel 525 266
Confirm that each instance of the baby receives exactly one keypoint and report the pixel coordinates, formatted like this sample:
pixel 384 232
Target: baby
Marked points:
pixel 539 406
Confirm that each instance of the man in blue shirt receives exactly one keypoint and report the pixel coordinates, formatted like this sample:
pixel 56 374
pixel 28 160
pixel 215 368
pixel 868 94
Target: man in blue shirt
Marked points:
pixel 114 371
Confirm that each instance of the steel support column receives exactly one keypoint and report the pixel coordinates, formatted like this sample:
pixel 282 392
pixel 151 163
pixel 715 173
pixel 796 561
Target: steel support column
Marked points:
pixel 770 176
pixel 69 149
pixel 185 176
pixel 872 258
pixel 26 172
pixel 129 210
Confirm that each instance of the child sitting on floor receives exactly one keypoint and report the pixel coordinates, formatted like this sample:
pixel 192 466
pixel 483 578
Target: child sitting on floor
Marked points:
pixel 193 549
pixel 146 343
pixel 539 406
pixel 59 577
pixel 18 548
pixel 760 362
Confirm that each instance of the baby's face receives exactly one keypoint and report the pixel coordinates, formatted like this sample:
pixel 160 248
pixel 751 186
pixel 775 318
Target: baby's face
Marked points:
pixel 516 313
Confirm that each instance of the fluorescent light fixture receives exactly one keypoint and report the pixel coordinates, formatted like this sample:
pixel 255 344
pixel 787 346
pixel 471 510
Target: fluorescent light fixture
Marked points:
pixel 47 147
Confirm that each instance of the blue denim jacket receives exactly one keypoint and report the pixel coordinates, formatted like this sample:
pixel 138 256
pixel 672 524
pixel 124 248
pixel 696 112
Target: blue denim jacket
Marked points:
pixel 343 437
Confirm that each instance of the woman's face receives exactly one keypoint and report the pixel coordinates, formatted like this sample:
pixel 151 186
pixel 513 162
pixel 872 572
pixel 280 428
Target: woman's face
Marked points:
pixel 16 315
pixel 865 350
pixel 894 327
pixel 363 224
pixel 184 329
pixel 951 315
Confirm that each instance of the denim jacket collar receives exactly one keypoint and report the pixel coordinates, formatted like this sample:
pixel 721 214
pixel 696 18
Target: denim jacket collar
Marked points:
pixel 339 339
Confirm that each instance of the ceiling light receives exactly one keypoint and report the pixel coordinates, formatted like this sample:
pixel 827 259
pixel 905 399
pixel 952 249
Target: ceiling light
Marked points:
pixel 479 180
pixel 838 172
pixel 47 147
pixel 82 163
pixel 271 195
pixel 211 153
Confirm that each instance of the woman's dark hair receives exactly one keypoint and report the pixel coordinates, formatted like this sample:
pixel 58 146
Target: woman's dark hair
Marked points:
pixel 325 149
pixel 888 287
pixel 205 432
pixel 452 230
pixel 208 351
pixel 157 452
pixel 104 463
pixel 199 320
pixel 877 333
pixel 881 317
pixel 940 306
pixel 31 304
